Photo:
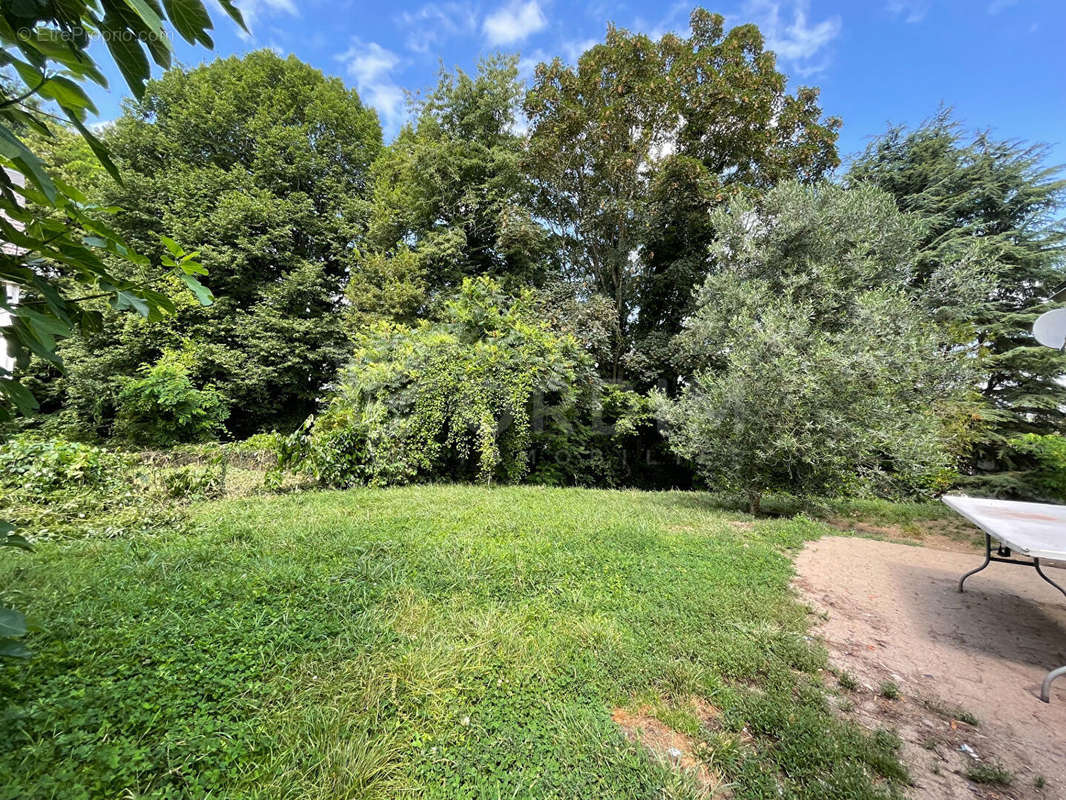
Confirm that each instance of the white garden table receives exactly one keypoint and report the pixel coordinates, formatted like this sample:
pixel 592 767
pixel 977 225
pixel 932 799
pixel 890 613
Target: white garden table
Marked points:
pixel 1036 531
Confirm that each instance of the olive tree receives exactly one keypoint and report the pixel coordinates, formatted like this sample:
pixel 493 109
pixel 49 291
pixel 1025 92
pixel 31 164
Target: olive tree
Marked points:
pixel 813 367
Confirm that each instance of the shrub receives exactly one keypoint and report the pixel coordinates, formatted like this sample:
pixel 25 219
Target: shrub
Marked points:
pixel 190 482
pixel 164 408
pixel 992 773
pixel 490 392
pixel 43 466
pixel 592 445
pixel 53 488
pixel 814 369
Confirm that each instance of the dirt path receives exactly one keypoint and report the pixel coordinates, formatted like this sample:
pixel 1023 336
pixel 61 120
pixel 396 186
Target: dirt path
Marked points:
pixel 892 613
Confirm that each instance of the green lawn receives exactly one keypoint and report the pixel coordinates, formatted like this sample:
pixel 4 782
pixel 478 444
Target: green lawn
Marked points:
pixel 441 642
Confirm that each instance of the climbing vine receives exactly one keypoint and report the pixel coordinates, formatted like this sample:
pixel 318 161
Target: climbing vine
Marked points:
pixel 456 397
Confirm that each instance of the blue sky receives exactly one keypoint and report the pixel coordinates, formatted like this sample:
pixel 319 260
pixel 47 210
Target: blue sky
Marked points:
pixel 1001 64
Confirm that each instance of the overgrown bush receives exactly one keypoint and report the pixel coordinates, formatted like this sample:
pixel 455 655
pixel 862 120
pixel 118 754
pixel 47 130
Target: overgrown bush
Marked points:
pixel 164 408
pixel 42 466
pixel 53 488
pixel 490 392
pixel 194 481
pixel 594 444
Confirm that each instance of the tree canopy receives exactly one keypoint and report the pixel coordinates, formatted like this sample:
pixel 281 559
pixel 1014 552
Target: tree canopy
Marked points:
pixel 642 129
pixel 510 277
pixel 995 203
pixel 814 369
pixel 450 198
pixel 264 163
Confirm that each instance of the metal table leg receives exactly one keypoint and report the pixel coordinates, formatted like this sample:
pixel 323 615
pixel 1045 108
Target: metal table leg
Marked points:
pixel 1036 563
pixel 1045 687
pixel 988 558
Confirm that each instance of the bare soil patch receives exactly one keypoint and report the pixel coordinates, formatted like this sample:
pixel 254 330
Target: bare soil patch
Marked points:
pixel 891 616
pixel 670 746
pixel 957 535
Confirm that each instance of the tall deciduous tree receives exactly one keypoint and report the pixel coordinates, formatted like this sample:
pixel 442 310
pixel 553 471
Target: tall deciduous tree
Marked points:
pixel 1000 199
pixel 450 198
pixel 58 249
pixel 632 147
pixel 265 163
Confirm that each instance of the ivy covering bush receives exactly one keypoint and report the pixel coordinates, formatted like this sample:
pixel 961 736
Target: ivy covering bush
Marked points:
pixel 40 466
pixel 51 488
pixel 487 393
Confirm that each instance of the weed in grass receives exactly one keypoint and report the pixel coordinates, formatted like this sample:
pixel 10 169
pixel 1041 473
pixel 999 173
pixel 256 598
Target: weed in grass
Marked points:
pixel 950 712
pixel 990 772
pixel 331 645
pixel 889 690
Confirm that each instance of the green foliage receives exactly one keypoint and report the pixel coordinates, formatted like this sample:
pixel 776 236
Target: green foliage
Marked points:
pixel 265 163
pixel 814 370
pixel 56 489
pixel 40 467
pixel 60 247
pixel 450 199
pixel 594 444
pixel 427 641
pixel 198 482
pixel 997 203
pixel 386 287
pixel 457 398
pixel 163 407
pixel 628 153
pixel 992 773
pixel 57 252
pixel 1035 468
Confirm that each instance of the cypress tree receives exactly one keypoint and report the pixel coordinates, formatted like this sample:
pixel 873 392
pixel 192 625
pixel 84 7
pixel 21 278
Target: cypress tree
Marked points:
pixel 998 201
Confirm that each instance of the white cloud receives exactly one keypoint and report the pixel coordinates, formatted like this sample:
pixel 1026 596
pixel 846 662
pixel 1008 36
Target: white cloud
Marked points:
pixel 573 49
pixel 787 29
pixel 434 22
pixel 1000 5
pixel 514 22
pixel 909 11
pixel 252 10
pixel 371 65
pixel 796 41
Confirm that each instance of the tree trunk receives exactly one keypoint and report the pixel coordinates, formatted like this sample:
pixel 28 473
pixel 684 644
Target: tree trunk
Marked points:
pixel 754 499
